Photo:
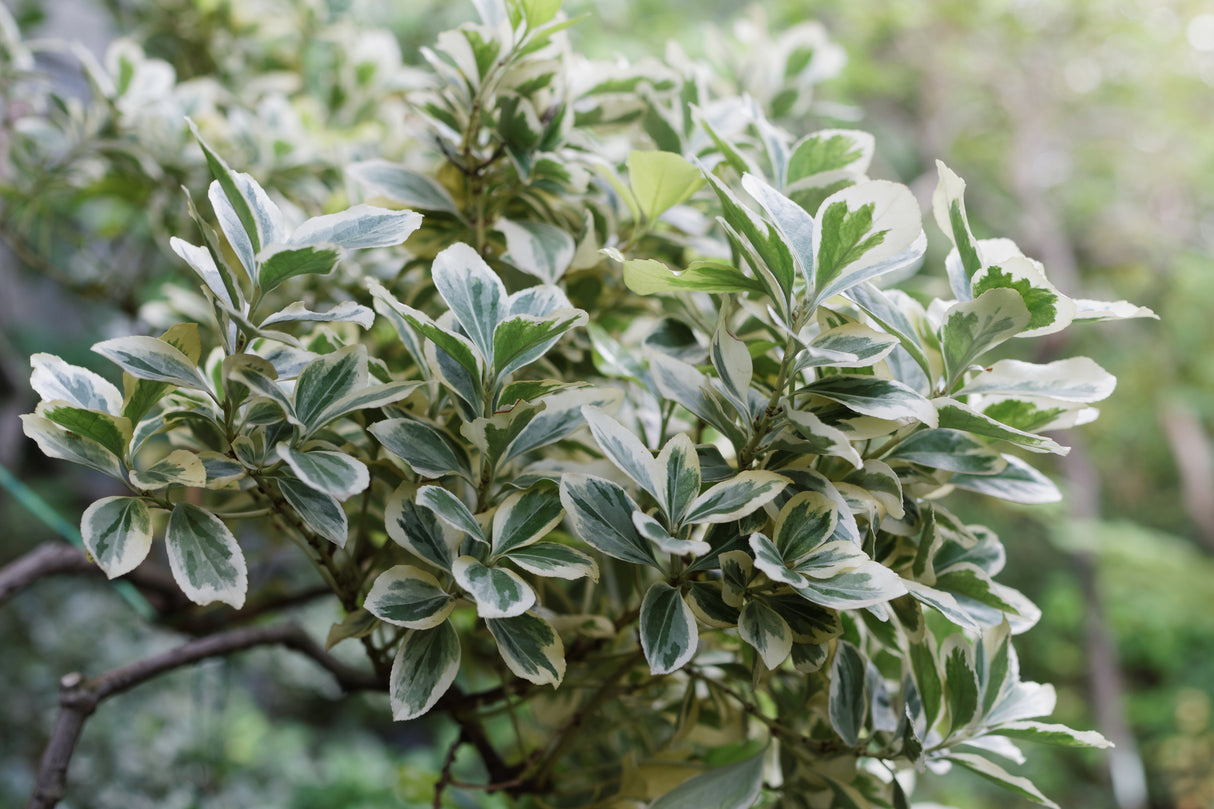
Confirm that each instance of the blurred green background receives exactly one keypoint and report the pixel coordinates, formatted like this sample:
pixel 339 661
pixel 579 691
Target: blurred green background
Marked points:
pixel 1083 130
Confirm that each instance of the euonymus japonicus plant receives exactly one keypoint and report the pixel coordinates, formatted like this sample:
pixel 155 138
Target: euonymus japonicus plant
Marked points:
pixel 604 422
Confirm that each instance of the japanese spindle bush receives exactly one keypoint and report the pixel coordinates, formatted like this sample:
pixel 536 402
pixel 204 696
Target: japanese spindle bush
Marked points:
pixel 602 421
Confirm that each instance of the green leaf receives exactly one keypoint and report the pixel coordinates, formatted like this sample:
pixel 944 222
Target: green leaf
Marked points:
pixel 661 180
pixel 55 380
pixel 358 228
pixel 320 512
pixel 524 518
pixel 951 450
pixel 764 629
pixel 333 473
pixel 204 557
pixel 668 629
pixel 647 276
pixel 865 230
pixel 283 263
pixel 975 327
pixel 1017 483
pixel 871 396
pixel 498 593
pixel 537 248
pixel 1059 735
pixel 451 510
pixel 417 529
pixel 624 449
pixel 431 452
pixel 763 247
pixel 996 774
pixel 410 597
pixel 736 497
pixel 112 432
pixel 424 668
pixel 180 467
pixel 676 476
pixel 600 512
pixel 152 359
pixel 522 339
pixel 400 185
pixel 142 394
pixel 1049 310
pixel 735 786
pixel 358 624
pixel 244 198
pixel 530 648
pixel 848 702
pixel 552 560
pixel 56 442
pixel 473 292
pixel 828 156
pixel 117 532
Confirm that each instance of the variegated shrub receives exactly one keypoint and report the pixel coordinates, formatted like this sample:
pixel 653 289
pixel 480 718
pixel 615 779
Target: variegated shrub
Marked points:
pixel 606 426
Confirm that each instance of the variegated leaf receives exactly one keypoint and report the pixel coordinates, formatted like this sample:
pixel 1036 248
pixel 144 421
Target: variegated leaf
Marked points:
pixel 423 670
pixel 524 518
pixel 320 512
pixel 334 473
pixel 764 629
pixel 117 532
pixel 736 497
pixel 530 648
pixel 53 379
pixel 553 560
pixel 206 562
pixel 410 597
pixel 668 629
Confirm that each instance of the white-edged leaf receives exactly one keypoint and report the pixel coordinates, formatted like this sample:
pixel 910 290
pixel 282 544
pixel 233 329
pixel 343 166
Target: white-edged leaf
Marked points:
pixel 942 602
pixel 359 227
pixel 321 512
pixel 848 702
pixel 734 786
pixel 152 359
pixel 530 648
pixel 333 473
pixel 867 584
pixel 601 514
pixel 803 524
pixel 417 529
pixel 56 442
pixel 363 398
pixel 498 593
pixel 684 384
pixel 957 416
pixel 735 368
pixel 181 467
pixel 553 560
pixel 344 312
pixel 1018 483
pixel 328 379
pixel 1077 379
pixel 537 248
pixel 474 293
pixel 451 510
pixel 398 184
pixel 996 774
pixel 1049 310
pixel 792 221
pixel 410 597
pixel 948 208
pixel 55 380
pixel 524 518
pixel 764 629
pixel 201 261
pixel 562 415
pixel 1110 310
pixel 825 157
pixel 1047 733
pixel 206 562
pixel 823 439
pixel 424 668
pixel 952 450
pixel 668 629
pixel 735 498
pixel 871 396
pixel 431 452
pixel 520 340
pixel 117 532
pixel 769 561
pixel 974 327
pixel 853 345
pixel 676 476
pixel 112 432
pixel 622 447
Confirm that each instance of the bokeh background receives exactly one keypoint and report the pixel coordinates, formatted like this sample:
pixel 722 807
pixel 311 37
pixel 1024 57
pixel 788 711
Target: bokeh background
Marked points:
pixel 1084 129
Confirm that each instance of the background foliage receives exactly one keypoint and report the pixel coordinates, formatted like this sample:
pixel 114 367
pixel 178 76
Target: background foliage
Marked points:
pixel 1097 106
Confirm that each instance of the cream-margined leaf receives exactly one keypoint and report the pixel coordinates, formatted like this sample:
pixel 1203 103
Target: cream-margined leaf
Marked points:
pixel 56 380
pixel 410 597
pixel 333 473
pixel 320 512
pixel 668 630
pixel 600 512
pixel 152 359
pixel 204 557
pixel 498 592
pixel 530 648
pixel 423 670
pixel 117 532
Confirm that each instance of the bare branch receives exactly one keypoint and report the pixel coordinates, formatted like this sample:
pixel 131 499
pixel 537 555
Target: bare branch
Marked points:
pixel 79 697
pixel 48 559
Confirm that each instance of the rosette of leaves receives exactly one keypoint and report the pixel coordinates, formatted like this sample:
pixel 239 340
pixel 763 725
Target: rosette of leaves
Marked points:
pixel 666 448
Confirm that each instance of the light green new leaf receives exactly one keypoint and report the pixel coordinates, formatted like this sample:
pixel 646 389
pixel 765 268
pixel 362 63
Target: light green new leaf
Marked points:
pixel 552 560
pixel 622 447
pixel 117 532
pixel 56 442
pixel 601 514
pixel 152 359
pixel 530 648
pixel 736 497
pixel 280 263
pixel 522 339
pixel 648 276
pixel 55 380
pixel 417 529
pixel 996 774
pixel 872 396
pixel 400 185
pixel 951 450
pixel 975 327
pixel 524 518
pixel 676 476
pixel 957 416
pixel 498 593
pixel 357 228
pixel 180 467
pixel 206 562
pixel 474 293
pixel 668 629
pixel 320 512
pixel 1017 483
pixel 430 451
pixel 1049 310
pixel 764 629
pixel 451 510
pixel 112 432
pixel 848 701
pixel 1077 379
pixel 1047 733
pixel 537 248
pixel 661 180
pixel 424 668
pixel 410 597
pixel 865 230
pixel 734 786
pixel 333 473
